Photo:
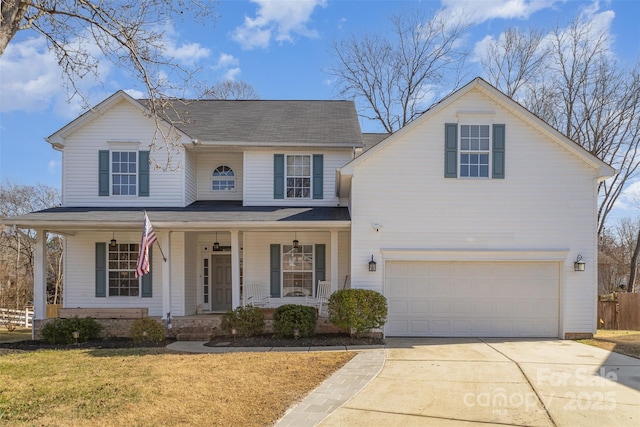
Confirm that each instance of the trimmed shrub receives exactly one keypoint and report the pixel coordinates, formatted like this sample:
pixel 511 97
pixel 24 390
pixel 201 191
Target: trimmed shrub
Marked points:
pixel 146 329
pixel 247 321
pixel 60 331
pixel 287 318
pixel 357 310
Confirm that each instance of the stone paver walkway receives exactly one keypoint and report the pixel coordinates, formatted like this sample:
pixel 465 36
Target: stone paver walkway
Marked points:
pixel 336 390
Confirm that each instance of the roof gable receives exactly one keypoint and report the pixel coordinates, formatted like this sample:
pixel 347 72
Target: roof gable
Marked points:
pixel 603 170
pixel 56 139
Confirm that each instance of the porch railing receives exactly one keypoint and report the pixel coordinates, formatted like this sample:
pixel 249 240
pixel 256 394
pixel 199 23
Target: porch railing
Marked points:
pixel 9 316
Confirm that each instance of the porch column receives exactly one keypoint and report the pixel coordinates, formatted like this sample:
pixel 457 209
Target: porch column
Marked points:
pixel 334 261
pixel 164 239
pixel 40 275
pixel 235 268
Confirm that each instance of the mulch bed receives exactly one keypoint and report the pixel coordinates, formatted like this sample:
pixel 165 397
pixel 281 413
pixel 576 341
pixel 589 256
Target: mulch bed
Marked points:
pixel 111 343
pixel 319 340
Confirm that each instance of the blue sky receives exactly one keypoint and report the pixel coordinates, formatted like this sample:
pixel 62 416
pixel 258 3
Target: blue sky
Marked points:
pixel 281 48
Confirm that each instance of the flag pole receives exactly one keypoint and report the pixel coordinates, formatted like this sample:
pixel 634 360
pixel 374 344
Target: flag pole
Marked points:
pixel 164 258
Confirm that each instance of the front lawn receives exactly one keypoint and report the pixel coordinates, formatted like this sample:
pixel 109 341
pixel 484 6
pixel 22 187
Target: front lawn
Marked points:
pixel 151 387
pixel 624 342
pixel 19 334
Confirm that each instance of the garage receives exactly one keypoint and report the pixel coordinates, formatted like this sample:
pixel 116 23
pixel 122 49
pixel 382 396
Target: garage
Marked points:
pixel 472 299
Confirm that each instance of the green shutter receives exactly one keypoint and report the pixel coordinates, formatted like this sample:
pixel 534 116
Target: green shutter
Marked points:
pixel 143 174
pixel 278 176
pixel 321 264
pixel 146 281
pixel 101 269
pixel 318 161
pixel 103 173
pixel 498 151
pixel 451 150
pixel 275 270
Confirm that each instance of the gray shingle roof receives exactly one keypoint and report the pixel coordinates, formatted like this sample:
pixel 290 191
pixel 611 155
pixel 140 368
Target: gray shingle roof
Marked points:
pixel 199 212
pixel 312 123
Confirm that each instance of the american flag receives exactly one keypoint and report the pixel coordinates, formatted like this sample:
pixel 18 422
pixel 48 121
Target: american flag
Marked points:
pixel 148 239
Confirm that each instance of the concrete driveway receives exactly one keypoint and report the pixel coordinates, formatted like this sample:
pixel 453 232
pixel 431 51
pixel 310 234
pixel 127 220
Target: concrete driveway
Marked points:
pixel 472 382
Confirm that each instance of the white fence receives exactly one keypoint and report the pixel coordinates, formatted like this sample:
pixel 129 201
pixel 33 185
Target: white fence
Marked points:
pixel 10 316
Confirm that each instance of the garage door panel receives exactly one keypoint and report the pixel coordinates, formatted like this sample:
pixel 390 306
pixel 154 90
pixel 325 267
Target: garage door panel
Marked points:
pixel 472 299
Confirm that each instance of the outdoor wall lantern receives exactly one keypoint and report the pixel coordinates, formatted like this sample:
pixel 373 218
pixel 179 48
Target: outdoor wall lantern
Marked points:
pixel 372 264
pixel 113 240
pixel 216 244
pixel 579 264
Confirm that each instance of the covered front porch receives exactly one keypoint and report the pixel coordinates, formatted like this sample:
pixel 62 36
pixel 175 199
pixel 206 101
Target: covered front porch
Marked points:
pixel 211 249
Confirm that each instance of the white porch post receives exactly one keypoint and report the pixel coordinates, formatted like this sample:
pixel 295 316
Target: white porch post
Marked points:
pixel 40 275
pixel 334 260
pixel 235 269
pixel 164 239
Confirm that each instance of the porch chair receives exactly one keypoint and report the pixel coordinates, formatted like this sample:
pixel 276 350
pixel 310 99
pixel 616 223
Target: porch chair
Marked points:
pixel 321 301
pixel 254 295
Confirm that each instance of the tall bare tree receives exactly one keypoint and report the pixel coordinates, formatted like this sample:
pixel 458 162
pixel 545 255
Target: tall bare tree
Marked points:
pixel 128 33
pixel 17 246
pixel 514 60
pixel 231 89
pixel 394 77
pixel 580 89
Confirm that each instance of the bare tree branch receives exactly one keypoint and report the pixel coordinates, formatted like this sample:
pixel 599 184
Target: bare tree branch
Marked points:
pixel 395 77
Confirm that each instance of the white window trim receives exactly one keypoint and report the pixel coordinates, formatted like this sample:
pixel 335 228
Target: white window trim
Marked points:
pixel 235 180
pixel 109 270
pixel 461 151
pixel 286 176
pixel 313 268
pixel 137 186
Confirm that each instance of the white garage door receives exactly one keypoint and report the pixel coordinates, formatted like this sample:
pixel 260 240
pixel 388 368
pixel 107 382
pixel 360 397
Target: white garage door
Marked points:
pixel 472 299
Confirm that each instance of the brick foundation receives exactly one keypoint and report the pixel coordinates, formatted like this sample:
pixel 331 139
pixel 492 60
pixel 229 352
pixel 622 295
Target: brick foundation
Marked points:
pixel 190 328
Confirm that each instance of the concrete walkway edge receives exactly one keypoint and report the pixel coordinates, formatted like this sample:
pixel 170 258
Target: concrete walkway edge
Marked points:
pixel 336 390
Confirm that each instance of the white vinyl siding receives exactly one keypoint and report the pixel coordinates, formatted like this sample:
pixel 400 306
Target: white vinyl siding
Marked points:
pixel 256 256
pixel 123 123
pixel 547 203
pixel 79 283
pixel 190 178
pixel 258 178
pixel 207 162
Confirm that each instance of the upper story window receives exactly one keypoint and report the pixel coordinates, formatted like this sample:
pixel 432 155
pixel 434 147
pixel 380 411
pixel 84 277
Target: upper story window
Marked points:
pixel 475 151
pixel 124 173
pixel 298 176
pixel 223 179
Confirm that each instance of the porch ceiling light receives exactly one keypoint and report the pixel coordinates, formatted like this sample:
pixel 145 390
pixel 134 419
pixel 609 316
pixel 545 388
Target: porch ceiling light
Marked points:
pixel 216 244
pixel 113 241
pixel 296 244
pixel 579 264
pixel 372 264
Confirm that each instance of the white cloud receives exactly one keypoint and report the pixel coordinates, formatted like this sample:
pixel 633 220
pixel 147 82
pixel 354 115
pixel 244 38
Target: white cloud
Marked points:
pixel 53 166
pixel 232 73
pixel 629 199
pixel 30 76
pixel 135 94
pixel 226 60
pixel 278 20
pixel 480 11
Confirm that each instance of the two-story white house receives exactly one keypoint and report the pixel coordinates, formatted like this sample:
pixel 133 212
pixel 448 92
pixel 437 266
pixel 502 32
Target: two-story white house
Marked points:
pixel 475 214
